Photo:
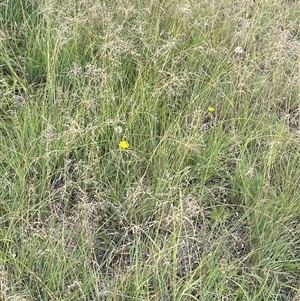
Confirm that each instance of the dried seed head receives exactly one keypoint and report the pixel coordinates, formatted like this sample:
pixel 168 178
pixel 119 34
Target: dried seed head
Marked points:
pixel 118 129
pixel 239 50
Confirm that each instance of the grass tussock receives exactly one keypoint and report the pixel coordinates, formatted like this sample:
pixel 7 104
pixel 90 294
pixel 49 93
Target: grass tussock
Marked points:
pixel 149 151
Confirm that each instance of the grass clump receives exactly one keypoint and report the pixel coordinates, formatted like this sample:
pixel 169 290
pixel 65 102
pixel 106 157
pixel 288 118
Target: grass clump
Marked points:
pixel 149 151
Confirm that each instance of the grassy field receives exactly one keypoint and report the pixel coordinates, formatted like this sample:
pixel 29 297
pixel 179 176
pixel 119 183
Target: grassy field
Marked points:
pixel 149 150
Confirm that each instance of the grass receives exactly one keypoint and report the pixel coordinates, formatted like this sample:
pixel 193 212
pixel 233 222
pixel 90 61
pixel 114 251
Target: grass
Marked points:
pixel 202 205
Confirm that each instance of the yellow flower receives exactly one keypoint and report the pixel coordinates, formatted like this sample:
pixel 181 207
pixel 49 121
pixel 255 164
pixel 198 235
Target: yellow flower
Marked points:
pixel 210 109
pixel 123 144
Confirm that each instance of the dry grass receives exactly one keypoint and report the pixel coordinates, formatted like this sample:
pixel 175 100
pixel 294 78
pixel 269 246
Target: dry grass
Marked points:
pixel 202 205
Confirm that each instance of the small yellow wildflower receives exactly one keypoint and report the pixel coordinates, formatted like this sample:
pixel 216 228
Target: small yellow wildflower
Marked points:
pixel 210 109
pixel 123 144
